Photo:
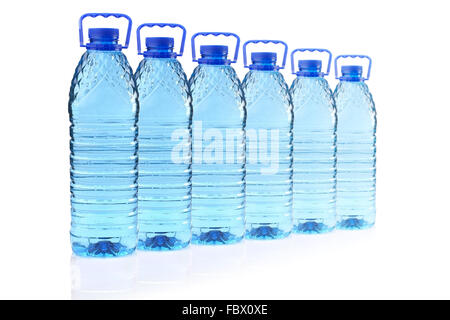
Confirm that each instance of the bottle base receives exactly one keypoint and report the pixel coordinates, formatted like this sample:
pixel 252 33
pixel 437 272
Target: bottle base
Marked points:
pixel 312 227
pixel 102 249
pixel 215 237
pixel 161 242
pixel 266 232
pixel 354 223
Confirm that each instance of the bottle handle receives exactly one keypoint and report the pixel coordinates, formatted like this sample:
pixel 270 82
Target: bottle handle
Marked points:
pixel 226 34
pixel 244 50
pixel 161 25
pixel 105 15
pixel 336 72
pixel 311 50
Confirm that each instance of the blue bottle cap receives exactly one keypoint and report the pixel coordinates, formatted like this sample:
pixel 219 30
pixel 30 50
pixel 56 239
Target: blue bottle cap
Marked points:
pixel 263 61
pixel 264 57
pixel 304 65
pixel 352 70
pixel 310 68
pixel 159 47
pixel 351 73
pixel 214 50
pixel 103 34
pixel 159 43
pixel 104 38
pixel 214 54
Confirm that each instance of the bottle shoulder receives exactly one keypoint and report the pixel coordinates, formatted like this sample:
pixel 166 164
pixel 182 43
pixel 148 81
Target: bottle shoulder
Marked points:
pixel 355 107
pixel 105 73
pixel 312 95
pixel 262 87
pixel 162 77
pixel 351 96
pixel 218 83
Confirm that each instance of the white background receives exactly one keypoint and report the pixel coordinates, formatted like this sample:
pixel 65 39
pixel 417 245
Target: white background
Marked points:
pixel 406 255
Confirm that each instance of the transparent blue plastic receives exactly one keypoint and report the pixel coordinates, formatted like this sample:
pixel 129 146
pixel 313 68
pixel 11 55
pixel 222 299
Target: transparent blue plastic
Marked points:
pixel 103 111
pixel 269 153
pixel 218 170
pixel 356 153
pixel 165 119
pixel 314 152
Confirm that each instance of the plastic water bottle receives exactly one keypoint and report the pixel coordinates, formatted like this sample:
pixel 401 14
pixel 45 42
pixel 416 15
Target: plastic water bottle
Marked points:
pixel 218 169
pixel 356 149
pixel 269 146
pixel 314 147
pixel 103 109
pixel 165 118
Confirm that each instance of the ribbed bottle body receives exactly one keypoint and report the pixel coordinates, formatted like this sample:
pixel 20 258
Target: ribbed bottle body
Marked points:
pixel 314 155
pixel 218 167
pixel 103 111
pixel 356 156
pixel 269 155
pixel 165 118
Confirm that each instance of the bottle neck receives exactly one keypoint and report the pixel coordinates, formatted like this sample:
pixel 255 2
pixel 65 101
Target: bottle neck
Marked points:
pixel 310 74
pixel 351 78
pixel 214 60
pixel 351 74
pixel 159 53
pixel 98 45
pixel 270 66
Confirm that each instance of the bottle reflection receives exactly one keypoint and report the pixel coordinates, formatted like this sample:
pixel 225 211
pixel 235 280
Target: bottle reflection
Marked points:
pixel 103 278
pixel 162 273
pixel 216 261
pixel 261 253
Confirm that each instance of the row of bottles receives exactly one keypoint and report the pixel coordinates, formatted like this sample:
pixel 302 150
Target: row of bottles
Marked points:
pixel 214 160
